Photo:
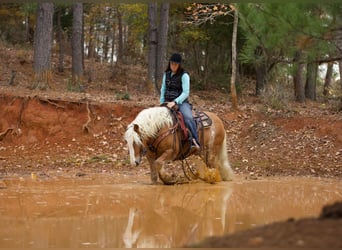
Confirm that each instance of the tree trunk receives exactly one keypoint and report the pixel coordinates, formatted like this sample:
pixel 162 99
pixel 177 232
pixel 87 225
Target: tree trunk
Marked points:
pixel 311 76
pixel 82 41
pixel 42 45
pixel 106 41
pixel 338 42
pixel 91 44
pixel 77 46
pixel 340 69
pixel 233 76
pixel 339 47
pixel 120 38
pixel 27 28
pixel 260 70
pixel 299 77
pixel 152 49
pixel 162 43
pixel 91 52
pixel 328 79
pixel 60 42
pixel 113 42
pixel 206 84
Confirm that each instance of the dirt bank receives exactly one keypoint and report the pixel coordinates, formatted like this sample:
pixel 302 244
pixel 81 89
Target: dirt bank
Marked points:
pixel 44 131
pixel 322 232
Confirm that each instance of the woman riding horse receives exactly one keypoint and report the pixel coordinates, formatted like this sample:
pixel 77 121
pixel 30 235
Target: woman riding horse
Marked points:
pixel 154 134
pixel 175 90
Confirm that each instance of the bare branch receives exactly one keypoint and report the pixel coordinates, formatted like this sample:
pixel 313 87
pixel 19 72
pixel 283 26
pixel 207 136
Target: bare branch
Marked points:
pixel 202 13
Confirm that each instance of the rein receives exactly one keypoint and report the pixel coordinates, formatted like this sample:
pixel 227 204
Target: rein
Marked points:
pixel 154 145
pixel 196 176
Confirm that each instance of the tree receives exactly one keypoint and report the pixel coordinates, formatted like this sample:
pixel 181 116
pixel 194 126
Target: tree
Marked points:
pixel 233 76
pixel 162 42
pixel 311 79
pixel 77 45
pixel 328 79
pixel 42 45
pixel 116 33
pixel 157 35
pixel 299 76
pixel 260 70
pixel 157 43
pixel 152 43
pixel 17 22
pixel 60 35
pixel 28 9
pixel 120 37
pixel 290 35
pixel 63 24
pixel 136 31
pixel 210 13
pixel 338 43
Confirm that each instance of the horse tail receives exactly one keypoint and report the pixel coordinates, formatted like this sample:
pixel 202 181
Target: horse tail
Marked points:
pixel 224 166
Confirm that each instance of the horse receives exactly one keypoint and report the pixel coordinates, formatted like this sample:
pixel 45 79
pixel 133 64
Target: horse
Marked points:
pixel 154 133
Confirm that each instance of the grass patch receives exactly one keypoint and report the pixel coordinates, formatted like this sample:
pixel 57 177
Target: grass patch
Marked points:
pixel 99 158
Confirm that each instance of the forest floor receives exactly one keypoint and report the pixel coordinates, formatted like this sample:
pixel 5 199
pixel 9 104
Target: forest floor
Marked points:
pixel 59 132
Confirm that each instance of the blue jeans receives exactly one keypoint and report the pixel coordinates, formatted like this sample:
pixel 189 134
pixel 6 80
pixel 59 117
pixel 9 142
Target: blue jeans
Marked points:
pixel 186 109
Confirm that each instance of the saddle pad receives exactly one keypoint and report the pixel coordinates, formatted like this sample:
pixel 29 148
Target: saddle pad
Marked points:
pixel 202 118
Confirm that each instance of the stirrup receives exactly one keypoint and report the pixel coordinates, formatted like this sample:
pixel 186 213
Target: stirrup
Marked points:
pixel 195 144
pixel 194 148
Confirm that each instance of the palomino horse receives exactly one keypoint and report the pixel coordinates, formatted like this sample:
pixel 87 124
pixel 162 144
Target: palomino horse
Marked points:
pixel 153 131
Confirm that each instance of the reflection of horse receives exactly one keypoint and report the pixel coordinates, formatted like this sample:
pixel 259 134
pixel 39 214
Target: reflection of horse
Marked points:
pixel 180 215
pixel 154 131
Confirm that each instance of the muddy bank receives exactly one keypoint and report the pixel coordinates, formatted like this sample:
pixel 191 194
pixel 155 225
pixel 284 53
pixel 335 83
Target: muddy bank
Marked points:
pixel 30 120
pixel 41 135
pixel 322 232
pixel 40 132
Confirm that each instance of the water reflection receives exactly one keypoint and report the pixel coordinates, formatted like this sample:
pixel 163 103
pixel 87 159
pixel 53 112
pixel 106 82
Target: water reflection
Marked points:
pixel 100 212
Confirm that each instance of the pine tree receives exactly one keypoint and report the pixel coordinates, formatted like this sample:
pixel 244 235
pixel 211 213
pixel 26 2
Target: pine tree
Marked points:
pixel 279 32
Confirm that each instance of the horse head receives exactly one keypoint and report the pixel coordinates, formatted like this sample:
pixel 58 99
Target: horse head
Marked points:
pixel 134 143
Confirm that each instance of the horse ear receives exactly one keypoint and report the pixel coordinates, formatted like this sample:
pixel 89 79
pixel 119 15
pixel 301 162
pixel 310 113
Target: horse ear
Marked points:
pixel 136 128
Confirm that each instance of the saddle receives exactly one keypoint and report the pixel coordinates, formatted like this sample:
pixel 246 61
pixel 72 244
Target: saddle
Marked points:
pixel 202 121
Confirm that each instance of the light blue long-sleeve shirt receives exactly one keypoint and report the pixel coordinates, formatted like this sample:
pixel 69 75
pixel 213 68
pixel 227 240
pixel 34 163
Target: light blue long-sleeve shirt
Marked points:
pixel 185 86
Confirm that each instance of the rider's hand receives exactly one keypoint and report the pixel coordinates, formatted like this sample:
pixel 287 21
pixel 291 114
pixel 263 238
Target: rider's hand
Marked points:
pixel 170 105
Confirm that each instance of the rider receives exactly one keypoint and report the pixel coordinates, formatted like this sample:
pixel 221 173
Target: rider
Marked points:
pixel 175 89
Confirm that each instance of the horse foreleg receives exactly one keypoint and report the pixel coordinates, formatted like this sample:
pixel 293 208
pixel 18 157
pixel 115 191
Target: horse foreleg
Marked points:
pixel 153 169
pixel 157 169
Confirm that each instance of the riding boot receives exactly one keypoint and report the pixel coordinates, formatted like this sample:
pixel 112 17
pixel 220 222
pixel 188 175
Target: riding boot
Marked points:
pixel 194 148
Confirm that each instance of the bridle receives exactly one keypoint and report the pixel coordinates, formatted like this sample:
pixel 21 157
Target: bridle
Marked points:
pixel 144 151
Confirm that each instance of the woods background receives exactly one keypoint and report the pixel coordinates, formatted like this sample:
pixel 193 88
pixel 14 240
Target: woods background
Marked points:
pixel 288 52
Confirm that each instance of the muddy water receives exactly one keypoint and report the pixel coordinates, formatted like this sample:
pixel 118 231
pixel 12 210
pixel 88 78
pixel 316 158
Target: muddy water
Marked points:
pixel 106 211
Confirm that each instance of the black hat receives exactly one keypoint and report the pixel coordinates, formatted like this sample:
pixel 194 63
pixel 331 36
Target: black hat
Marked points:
pixel 176 58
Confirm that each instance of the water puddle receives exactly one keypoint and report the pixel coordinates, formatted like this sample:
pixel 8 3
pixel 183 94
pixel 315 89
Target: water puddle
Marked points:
pixel 104 211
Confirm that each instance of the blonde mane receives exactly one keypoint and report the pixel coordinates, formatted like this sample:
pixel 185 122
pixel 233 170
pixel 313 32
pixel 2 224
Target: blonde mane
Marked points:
pixel 150 121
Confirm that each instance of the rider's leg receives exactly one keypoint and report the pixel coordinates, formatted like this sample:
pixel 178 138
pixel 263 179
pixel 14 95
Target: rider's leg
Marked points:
pixel 185 109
